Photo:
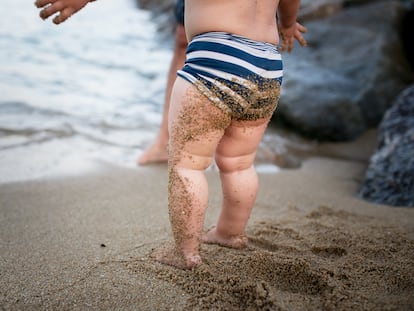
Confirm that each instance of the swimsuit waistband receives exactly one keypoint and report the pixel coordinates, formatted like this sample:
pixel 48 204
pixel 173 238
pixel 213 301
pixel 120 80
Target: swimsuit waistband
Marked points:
pixel 219 35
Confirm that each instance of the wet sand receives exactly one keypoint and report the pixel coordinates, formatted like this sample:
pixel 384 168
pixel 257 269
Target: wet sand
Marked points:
pixel 85 242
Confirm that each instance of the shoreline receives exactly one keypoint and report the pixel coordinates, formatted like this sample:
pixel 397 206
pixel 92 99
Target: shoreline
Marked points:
pixel 280 149
pixel 85 242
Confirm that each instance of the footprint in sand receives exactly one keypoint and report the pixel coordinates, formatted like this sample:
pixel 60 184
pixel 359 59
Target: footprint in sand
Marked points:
pixel 329 251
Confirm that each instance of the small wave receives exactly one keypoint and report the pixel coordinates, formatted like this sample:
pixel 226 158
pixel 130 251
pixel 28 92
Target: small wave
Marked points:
pixel 19 138
pixel 20 108
pixel 22 124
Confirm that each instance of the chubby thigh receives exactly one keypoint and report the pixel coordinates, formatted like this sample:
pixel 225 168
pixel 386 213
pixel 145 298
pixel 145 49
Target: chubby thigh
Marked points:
pixel 199 129
pixel 195 125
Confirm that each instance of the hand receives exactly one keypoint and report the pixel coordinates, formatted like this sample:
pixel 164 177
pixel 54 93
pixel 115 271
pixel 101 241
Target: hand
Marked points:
pixel 66 8
pixel 289 34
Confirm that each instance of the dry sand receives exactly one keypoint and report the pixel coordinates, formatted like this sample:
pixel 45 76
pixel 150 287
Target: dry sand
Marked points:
pixel 84 243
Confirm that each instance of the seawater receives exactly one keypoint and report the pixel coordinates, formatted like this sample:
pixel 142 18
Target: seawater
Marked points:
pixel 87 91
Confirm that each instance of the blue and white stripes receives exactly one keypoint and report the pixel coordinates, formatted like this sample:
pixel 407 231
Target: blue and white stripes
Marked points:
pixel 232 65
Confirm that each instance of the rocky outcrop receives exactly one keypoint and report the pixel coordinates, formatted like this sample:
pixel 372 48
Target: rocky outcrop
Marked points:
pixel 163 14
pixel 347 77
pixel 390 175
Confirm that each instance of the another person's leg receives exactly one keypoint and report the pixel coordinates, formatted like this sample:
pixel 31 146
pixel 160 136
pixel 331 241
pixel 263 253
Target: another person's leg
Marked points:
pixel 196 127
pixel 235 158
pixel 157 151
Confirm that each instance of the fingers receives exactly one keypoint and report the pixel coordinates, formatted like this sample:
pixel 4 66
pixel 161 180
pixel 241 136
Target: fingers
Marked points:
pixel 301 28
pixel 42 3
pixel 289 35
pixel 51 9
pixel 300 38
pixel 287 45
pixel 64 15
pixel 62 8
pixel 290 46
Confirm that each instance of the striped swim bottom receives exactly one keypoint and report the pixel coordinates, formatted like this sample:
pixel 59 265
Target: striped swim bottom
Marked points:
pixel 239 75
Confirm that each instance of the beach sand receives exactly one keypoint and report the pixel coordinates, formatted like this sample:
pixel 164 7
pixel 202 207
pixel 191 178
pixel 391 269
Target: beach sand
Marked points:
pixel 84 242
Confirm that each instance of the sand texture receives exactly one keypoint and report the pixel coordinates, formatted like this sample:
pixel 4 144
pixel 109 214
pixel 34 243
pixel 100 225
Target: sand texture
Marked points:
pixel 85 243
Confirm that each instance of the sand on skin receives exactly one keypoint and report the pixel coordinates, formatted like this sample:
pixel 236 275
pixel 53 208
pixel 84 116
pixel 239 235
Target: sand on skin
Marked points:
pixel 85 242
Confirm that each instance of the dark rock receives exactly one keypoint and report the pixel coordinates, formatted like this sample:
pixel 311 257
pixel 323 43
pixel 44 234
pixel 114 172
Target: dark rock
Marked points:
pixel 316 9
pixel 155 5
pixel 390 175
pixel 163 15
pixel 344 81
pixel 407 31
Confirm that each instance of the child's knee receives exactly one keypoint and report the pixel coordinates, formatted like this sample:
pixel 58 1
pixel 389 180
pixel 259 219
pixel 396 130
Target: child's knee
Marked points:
pixel 232 164
pixel 193 162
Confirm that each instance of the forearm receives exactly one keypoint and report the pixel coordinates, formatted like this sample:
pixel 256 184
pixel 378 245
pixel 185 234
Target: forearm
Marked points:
pixel 287 12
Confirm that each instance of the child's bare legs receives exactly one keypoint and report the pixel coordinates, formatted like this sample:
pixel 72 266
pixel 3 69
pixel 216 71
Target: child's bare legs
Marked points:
pixel 157 151
pixel 235 157
pixel 196 127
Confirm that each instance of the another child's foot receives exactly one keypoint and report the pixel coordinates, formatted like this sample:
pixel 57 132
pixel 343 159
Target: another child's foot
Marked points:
pixel 212 237
pixel 153 154
pixel 170 256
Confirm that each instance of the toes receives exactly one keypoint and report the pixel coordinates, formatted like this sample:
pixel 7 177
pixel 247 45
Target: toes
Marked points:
pixel 168 255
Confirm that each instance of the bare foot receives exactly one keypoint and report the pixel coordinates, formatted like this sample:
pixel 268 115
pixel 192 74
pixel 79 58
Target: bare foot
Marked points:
pixel 169 255
pixel 155 153
pixel 212 237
